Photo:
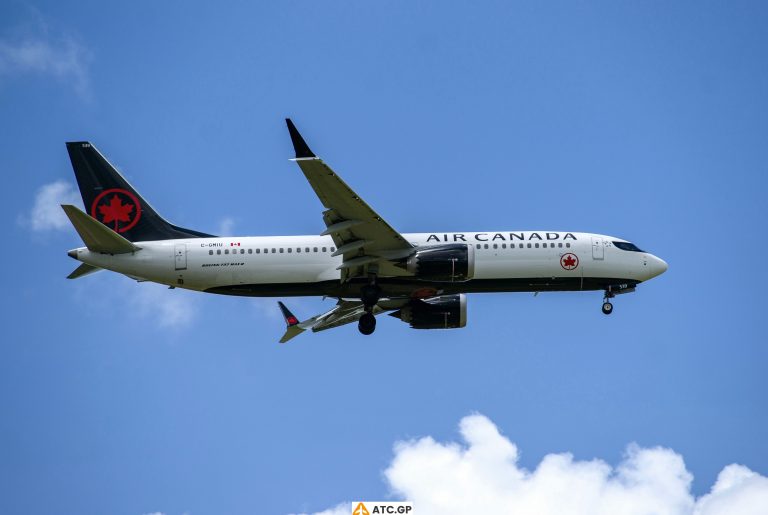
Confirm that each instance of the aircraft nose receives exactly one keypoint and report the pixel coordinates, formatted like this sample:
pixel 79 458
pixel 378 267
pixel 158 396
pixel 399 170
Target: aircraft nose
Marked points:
pixel 656 266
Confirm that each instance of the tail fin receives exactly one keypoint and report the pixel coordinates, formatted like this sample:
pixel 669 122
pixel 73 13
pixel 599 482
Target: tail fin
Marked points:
pixel 109 198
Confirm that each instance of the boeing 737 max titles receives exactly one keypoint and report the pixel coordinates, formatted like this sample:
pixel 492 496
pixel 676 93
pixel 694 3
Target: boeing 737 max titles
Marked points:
pixel 359 259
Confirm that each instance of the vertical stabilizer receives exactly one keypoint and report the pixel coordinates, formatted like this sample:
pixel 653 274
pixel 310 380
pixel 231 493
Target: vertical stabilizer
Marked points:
pixel 111 200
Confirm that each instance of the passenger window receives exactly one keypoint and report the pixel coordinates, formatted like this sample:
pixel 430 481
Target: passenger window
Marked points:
pixel 333 249
pixel 289 250
pixel 479 246
pixel 274 251
pixel 306 249
pixel 226 251
pixel 560 245
pixel 315 249
pixel 281 250
pixel 536 245
pixel 250 251
pixel 495 245
pixel 529 245
pixel 568 245
pixel 242 251
pixel 210 252
pixel 325 249
pixel 218 251
pixel 485 246
pixel 298 249
pixel 258 250
pixel 503 245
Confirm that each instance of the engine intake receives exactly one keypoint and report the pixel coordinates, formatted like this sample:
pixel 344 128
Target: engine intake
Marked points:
pixel 444 312
pixel 454 263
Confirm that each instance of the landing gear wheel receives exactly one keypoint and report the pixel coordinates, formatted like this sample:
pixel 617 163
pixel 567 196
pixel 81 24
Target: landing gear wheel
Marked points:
pixel 607 308
pixel 367 324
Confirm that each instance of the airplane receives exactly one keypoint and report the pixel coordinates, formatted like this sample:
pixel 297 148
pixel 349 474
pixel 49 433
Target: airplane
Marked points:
pixel 359 259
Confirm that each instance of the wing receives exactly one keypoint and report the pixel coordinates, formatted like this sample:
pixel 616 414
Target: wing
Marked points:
pixel 344 312
pixel 362 237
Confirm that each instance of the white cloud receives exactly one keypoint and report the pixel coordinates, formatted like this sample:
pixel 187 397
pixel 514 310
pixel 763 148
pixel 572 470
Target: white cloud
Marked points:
pixel 46 213
pixel 144 302
pixel 482 475
pixel 341 509
pixel 225 226
pixel 167 308
pixel 737 490
pixel 267 308
pixel 35 50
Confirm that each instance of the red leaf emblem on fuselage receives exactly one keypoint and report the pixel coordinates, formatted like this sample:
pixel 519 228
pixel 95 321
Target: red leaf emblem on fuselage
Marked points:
pixel 569 261
pixel 116 208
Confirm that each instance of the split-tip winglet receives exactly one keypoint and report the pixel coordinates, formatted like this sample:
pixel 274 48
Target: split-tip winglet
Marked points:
pixel 299 145
pixel 290 319
pixel 292 327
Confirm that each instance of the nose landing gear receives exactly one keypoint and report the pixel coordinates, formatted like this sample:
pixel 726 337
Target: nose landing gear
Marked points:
pixel 607 306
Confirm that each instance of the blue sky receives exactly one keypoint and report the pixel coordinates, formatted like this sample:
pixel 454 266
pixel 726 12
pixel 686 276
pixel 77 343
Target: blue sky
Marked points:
pixel 644 120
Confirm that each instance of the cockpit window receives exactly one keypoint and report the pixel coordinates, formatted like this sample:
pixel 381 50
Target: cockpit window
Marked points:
pixel 625 245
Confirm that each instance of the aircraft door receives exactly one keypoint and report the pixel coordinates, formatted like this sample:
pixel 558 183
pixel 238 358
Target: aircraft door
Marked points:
pixel 598 249
pixel 180 256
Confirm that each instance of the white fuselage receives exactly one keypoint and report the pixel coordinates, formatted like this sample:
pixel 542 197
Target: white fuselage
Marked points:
pixel 300 265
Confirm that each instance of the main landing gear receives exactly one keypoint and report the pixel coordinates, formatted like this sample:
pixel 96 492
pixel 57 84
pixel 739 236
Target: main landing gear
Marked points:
pixel 607 306
pixel 370 295
pixel 367 324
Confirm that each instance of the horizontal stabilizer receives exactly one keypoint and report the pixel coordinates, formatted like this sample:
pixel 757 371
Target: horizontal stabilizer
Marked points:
pixel 83 270
pixel 97 236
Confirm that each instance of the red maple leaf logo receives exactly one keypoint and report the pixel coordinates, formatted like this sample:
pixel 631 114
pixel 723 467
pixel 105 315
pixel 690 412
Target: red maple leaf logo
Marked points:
pixel 116 211
pixel 569 262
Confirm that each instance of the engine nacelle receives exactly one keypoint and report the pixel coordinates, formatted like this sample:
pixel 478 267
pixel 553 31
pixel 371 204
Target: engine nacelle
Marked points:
pixel 452 263
pixel 445 312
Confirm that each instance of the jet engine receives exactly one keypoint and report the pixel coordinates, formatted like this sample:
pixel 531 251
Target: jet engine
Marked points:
pixel 453 263
pixel 444 312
